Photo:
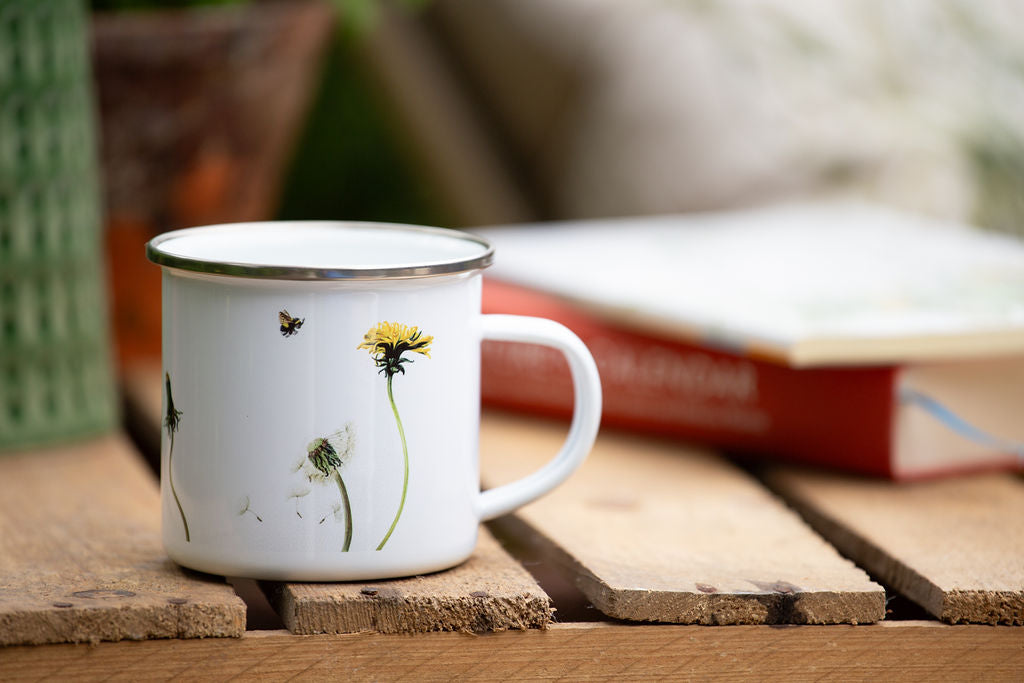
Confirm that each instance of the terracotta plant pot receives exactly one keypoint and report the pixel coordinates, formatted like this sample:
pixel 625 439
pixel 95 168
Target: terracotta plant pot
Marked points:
pixel 199 109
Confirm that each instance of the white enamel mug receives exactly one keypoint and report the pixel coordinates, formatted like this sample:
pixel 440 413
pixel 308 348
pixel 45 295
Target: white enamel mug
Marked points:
pixel 321 399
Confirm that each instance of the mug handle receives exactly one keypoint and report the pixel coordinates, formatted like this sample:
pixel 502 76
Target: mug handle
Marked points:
pixel 586 416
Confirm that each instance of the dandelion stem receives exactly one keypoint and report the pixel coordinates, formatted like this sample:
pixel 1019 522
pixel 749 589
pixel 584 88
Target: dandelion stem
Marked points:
pixel 348 510
pixel 405 460
pixel 170 478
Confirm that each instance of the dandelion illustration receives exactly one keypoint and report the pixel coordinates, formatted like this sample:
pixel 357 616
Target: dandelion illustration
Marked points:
pixel 244 508
pixel 325 456
pixel 172 420
pixel 335 512
pixel 301 492
pixel 386 343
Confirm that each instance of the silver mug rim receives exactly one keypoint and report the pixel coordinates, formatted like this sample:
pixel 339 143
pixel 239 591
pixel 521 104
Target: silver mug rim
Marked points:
pixel 279 272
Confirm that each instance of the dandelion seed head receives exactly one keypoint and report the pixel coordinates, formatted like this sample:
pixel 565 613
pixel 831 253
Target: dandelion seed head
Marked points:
pixel 323 455
pixel 312 474
pixel 344 442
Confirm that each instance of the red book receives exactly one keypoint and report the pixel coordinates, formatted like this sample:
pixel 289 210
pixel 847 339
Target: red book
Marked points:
pixel 842 335
pixel 853 418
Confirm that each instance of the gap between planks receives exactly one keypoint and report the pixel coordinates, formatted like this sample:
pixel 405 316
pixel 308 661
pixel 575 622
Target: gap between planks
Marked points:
pixel 954 546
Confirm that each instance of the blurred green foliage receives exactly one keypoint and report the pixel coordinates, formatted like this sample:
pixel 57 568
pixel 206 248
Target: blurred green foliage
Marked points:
pixel 349 164
pixel 996 155
pixel 358 15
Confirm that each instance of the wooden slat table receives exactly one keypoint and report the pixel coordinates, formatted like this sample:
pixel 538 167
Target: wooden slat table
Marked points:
pixel 646 532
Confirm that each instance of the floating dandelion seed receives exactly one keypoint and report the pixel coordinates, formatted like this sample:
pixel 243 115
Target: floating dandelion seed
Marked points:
pixel 386 343
pixel 335 512
pixel 245 507
pixel 299 492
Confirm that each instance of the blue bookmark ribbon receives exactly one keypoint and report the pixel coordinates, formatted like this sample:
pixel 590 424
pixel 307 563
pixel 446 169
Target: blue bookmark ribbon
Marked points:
pixel 958 424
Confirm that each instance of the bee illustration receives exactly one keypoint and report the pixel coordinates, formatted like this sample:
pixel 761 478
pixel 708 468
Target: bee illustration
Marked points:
pixel 289 325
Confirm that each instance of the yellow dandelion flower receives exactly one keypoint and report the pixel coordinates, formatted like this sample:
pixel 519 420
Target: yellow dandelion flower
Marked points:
pixel 387 342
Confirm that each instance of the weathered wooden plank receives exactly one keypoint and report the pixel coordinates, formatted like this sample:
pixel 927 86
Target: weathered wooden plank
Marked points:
pixel 488 592
pixel 955 546
pixel 652 531
pixel 909 651
pixel 80 553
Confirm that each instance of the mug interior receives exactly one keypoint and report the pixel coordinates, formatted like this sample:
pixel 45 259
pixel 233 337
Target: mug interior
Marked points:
pixel 320 249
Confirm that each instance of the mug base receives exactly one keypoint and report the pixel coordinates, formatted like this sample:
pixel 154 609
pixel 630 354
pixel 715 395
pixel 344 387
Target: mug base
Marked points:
pixel 353 566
